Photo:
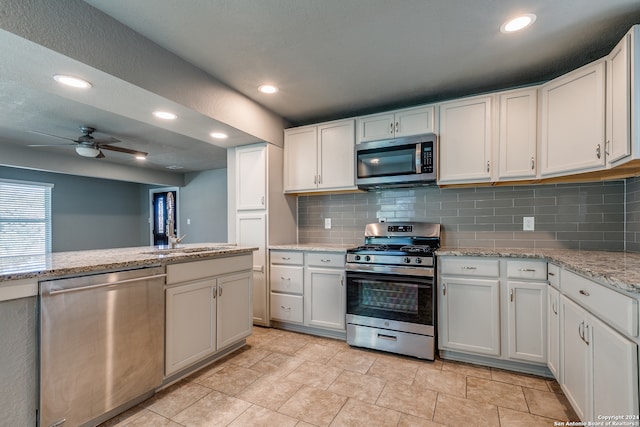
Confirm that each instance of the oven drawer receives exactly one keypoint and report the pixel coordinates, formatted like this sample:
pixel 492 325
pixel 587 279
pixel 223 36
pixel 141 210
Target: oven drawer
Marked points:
pixel 287 308
pixel 422 346
pixel 533 270
pixel 281 257
pixel 286 279
pixel 463 266
pixel 324 259
pixel 618 309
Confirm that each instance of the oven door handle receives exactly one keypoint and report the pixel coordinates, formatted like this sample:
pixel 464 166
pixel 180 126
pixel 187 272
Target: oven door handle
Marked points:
pixel 386 269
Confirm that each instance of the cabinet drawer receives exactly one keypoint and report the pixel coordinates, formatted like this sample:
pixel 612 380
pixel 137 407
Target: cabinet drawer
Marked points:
pixel 470 267
pixel 619 310
pixel 286 279
pixel 553 275
pixel 324 259
pixel 287 308
pixel 278 257
pixel 536 270
pixel 194 270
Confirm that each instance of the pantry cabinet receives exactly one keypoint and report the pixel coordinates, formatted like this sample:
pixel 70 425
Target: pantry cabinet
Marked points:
pixel 252 181
pixel 320 157
pixel 395 124
pixel 573 121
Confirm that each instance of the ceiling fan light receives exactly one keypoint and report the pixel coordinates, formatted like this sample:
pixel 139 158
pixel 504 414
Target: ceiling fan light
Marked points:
pixel 141 156
pixel 72 81
pixel 518 23
pixel 165 115
pixel 87 151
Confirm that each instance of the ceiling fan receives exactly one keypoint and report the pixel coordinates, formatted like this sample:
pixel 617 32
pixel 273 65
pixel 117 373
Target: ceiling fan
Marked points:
pixel 88 146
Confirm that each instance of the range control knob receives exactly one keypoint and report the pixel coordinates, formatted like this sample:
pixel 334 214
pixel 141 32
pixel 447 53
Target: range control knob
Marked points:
pixel 407 260
pixel 367 258
pixel 418 260
pixel 357 257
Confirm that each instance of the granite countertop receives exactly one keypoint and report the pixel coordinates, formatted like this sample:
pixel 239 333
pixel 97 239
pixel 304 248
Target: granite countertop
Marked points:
pixel 620 270
pixel 80 262
pixel 318 247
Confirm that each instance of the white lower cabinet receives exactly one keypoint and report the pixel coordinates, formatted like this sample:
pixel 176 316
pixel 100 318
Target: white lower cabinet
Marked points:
pixel 599 365
pixel 470 315
pixel 308 288
pixel 527 320
pixel 206 314
pixel 553 332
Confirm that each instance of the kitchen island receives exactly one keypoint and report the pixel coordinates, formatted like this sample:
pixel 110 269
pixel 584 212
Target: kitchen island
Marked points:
pixel 19 279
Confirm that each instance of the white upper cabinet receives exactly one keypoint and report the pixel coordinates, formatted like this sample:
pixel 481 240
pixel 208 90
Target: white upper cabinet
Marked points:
pixel 619 76
pixel 573 122
pixel 466 141
pixel 517 136
pixel 320 157
pixel 251 184
pixel 393 124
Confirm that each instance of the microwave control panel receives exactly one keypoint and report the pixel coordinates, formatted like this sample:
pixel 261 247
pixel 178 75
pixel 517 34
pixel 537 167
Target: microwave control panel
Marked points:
pixel 427 157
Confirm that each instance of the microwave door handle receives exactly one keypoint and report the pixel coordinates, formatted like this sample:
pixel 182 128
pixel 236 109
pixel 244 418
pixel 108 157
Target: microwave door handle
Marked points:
pixel 418 158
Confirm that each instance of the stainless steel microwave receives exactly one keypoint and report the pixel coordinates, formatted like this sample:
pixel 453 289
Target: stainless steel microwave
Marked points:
pixel 398 162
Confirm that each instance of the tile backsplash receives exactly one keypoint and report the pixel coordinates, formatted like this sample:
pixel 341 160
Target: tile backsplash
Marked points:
pixel 572 216
pixel 632 235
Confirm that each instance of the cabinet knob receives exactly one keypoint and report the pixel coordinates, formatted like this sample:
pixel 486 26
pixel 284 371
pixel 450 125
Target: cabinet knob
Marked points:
pixel 583 292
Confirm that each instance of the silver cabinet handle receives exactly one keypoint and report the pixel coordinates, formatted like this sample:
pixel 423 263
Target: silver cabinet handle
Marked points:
pixel 554 308
pixel 528 270
pixel 219 291
pixel 104 285
pixel 511 295
pixel 391 128
pixel 583 292
pixel 285 278
pixel 464 267
pixel 606 147
pixel 581 331
pixel 488 165
pixel 285 308
pixel 598 155
pixel 533 164
pixel 319 179
pixel 551 274
pixel 342 281
pixel 315 179
pixel 215 292
pixel 444 289
pixel 397 127
pixel 325 260
pixel 585 334
pixel 262 200
pixel 286 258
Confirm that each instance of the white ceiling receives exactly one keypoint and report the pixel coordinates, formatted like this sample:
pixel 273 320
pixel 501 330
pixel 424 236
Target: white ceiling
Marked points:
pixel 330 59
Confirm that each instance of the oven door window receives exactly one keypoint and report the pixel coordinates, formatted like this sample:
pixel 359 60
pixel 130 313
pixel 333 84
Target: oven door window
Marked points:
pixel 388 162
pixel 401 298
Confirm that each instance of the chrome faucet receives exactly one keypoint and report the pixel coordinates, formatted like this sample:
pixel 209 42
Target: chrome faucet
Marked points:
pixel 173 239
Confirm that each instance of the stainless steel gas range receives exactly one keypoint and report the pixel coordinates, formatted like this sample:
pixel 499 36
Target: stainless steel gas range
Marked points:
pixel 391 289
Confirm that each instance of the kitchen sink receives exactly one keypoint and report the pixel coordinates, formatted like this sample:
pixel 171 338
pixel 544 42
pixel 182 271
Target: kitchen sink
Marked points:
pixel 167 251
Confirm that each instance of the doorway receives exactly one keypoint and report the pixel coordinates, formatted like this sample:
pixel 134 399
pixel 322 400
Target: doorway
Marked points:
pixel 161 217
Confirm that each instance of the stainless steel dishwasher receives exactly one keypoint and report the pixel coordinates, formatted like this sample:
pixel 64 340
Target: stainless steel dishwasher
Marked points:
pixel 101 344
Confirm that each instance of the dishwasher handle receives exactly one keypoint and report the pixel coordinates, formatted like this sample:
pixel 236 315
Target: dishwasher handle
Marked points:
pixel 104 285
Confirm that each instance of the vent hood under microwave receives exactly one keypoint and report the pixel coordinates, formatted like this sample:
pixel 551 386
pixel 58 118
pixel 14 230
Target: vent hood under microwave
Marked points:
pixel 399 162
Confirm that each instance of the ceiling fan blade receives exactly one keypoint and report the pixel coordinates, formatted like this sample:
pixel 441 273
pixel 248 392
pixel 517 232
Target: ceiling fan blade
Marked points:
pixel 51 145
pixel 107 140
pixel 124 150
pixel 54 136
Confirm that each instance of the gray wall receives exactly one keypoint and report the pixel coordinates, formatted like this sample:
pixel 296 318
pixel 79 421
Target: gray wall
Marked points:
pixel 203 200
pixel 576 216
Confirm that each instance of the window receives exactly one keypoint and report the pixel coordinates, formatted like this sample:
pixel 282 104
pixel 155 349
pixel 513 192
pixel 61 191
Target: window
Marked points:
pixel 25 218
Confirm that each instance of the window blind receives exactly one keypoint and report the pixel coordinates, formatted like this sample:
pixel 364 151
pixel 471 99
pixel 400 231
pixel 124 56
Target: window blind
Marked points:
pixel 25 218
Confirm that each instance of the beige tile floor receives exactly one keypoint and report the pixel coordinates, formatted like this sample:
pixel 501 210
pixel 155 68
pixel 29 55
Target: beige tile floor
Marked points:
pixel 285 379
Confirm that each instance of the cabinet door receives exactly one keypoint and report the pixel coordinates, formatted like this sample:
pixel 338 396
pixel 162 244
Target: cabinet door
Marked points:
pixel 615 371
pixel 465 141
pixel 553 333
pixel 190 324
pixel 575 357
pixel 573 120
pixel 252 231
pixel 325 298
pixel 470 315
pixel 336 164
pixel 300 158
pixel 619 100
pixel 518 134
pixel 527 314
pixel 413 121
pixel 251 186
pixel 234 309
pixel 375 127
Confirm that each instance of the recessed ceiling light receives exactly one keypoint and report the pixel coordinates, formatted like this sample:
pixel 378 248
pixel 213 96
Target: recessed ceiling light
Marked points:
pixel 218 135
pixel 174 167
pixel 165 115
pixel 72 81
pixel 267 89
pixel 518 23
